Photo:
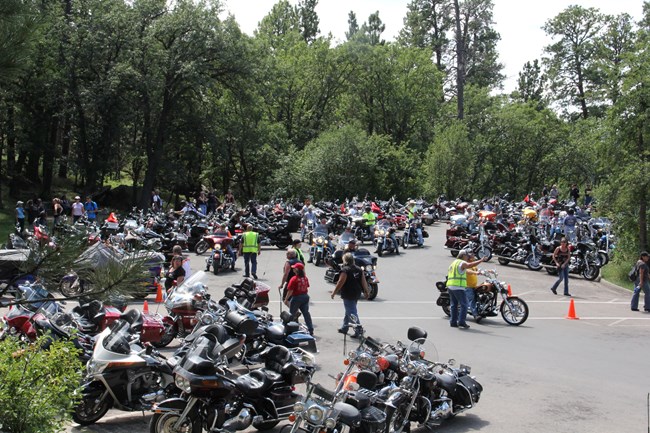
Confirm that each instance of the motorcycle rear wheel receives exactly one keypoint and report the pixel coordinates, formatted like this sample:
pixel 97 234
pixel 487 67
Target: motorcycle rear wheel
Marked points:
pixel 454 253
pixel 519 312
pixel 81 415
pixel 503 261
pixel 282 245
pixel 201 247
pixel 164 423
pixel 266 425
pixel 374 290
pixel 170 333
pixel 447 310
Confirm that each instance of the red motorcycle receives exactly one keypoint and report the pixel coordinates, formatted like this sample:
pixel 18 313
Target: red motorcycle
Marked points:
pixel 221 259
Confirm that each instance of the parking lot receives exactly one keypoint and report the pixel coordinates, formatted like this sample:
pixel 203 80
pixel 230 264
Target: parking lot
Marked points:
pixel 550 374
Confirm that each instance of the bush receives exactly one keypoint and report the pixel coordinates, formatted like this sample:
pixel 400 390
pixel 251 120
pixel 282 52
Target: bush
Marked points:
pixel 37 386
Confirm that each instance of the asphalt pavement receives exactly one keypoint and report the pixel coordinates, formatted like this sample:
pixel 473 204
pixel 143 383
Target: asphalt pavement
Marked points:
pixel 549 374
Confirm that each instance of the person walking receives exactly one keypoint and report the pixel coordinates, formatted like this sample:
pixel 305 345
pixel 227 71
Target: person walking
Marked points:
pixel 642 283
pixel 457 285
pixel 57 211
pixel 561 257
pixel 297 296
pixel 250 248
pixel 288 271
pixel 351 283
pixel 295 245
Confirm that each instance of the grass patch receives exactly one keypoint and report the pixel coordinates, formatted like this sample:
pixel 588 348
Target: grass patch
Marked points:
pixel 616 273
pixel 7 222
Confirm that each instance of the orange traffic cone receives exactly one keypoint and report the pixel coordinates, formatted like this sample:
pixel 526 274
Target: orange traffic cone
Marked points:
pixel 509 290
pixel 159 294
pixel 572 311
pixel 145 307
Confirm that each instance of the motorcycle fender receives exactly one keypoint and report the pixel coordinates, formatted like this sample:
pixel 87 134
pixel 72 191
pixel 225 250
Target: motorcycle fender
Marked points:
pixel 396 399
pixel 92 388
pixel 174 405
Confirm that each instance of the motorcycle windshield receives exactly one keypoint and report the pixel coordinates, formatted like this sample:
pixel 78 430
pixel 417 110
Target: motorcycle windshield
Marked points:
pixel 320 231
pixel 345 238
pixel 118 339
pixel 183 295
pixel 36 292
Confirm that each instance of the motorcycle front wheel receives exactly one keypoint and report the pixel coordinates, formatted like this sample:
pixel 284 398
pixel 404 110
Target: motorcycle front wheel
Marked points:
pixel 591 273
pixel 447 310
pixel 201 247
pixel 395 420
pixel 89 411
pixel 374 290
pixel 514 311
pixel 164 423
pixel 533 263
pixel 484 252
pixel 170 333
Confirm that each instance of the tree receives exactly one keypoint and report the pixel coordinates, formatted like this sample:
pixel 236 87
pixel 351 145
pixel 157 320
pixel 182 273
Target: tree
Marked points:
pixel 571 60
pixel 426 25
pixel 530 84
pixel 353 26
pixel 374 28
pixel 308 20
pixel 616 41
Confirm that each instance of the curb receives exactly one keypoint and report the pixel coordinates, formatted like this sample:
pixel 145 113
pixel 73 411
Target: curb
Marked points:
pixel 614 286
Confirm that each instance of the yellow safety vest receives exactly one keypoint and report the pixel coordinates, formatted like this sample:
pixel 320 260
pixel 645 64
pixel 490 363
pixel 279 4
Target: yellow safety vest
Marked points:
pixel 370 217
pixel 454 276
pixel 249 242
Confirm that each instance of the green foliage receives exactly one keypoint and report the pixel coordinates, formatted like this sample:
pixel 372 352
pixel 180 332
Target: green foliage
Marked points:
pixel 37 386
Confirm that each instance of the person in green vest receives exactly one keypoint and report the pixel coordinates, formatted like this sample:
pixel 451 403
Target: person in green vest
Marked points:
pixel 250 247
pixel 370 220
pixel 456 285
pixel 295 245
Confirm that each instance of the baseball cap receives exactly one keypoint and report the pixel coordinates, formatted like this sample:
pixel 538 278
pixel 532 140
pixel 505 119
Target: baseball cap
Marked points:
pixel 298 266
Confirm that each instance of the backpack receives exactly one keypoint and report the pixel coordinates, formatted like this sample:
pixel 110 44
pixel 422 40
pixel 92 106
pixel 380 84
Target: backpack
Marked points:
pixel 634 273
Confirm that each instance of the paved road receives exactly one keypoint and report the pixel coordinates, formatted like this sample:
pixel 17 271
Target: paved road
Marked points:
pixel 550 374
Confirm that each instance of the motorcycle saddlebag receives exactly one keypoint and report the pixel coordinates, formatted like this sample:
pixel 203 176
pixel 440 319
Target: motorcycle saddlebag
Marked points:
pixel 443 299
pixel 372 419
pixel 304 341
pixel 241 323
pixel 473 387
pixel 152 328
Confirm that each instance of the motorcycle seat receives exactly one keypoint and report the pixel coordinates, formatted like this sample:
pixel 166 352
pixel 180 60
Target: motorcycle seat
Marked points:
pixel 358 400
pixel 257 382
pixel 446 381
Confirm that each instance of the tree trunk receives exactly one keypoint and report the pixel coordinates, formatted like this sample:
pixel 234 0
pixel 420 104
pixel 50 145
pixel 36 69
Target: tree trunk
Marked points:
pixel 11 140
pixel 581 93
pixel 49 151
pixel 460 64
pixel 65 148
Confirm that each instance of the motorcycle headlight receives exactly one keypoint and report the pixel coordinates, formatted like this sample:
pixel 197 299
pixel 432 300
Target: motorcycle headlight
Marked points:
pixel 369 268
pixel 315 414
pixel 182 383
pixel 95 367
pixel 299 407
pixel 207 319
pixel 330 423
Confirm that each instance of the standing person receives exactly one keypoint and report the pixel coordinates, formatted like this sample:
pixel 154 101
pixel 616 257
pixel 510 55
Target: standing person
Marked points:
pixel 642 283
pixel 456 285
pixel 156 201
pixel 91 209
pixel 213 202
pixel 351 283
pixel 57 211
pixel 545 190
pixel 202 203
pixel 472 283
pixel 20 216
pixel 229 198
pixel 175 273
pixel 295 245
pixel 177 251
pixel 288 271
pixel 588 197
pixel 297 297
pixel 250 247
pixel 569 224
pixel 65 203
pixel 77 209
pixel 574 193
pixel 561 257
pixel 553 192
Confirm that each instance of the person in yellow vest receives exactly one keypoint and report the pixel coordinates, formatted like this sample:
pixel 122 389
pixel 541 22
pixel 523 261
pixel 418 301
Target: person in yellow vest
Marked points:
pixel 370 219
pixel 472 283
pixel 456 285
pixel 250 247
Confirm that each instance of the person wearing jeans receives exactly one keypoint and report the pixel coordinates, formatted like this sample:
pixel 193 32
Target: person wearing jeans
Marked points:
pixel 456 286
pixel 351 283
pixel 642 283
pixel 297 297
pixel 562 257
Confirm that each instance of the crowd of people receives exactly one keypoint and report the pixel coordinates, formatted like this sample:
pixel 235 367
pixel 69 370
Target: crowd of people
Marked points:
pixel 34 212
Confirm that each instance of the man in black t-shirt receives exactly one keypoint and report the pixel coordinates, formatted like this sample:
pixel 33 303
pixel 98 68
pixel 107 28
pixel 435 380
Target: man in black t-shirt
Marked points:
pixel 351 283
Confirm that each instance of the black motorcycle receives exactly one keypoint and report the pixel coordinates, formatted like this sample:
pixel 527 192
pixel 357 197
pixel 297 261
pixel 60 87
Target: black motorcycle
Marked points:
pixel 214 399
pixel 364 260
pixel 384 235
pixel 410 236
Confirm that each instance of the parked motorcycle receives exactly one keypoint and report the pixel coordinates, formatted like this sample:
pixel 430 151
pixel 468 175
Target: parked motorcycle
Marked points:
pixel 513 309
pixel 122 374
pixel 214 400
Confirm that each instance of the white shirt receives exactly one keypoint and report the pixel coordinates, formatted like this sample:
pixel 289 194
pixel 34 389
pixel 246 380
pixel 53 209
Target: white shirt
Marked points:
pixel 77 208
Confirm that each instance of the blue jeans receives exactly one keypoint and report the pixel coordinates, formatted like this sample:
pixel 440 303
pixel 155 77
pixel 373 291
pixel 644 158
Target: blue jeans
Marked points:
pixel 301 302
pixel 350 309
pixel 248 259
pixel 471 300
pixel 563 274
pixel 420 238
pixel 458 306
pixel 646 297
